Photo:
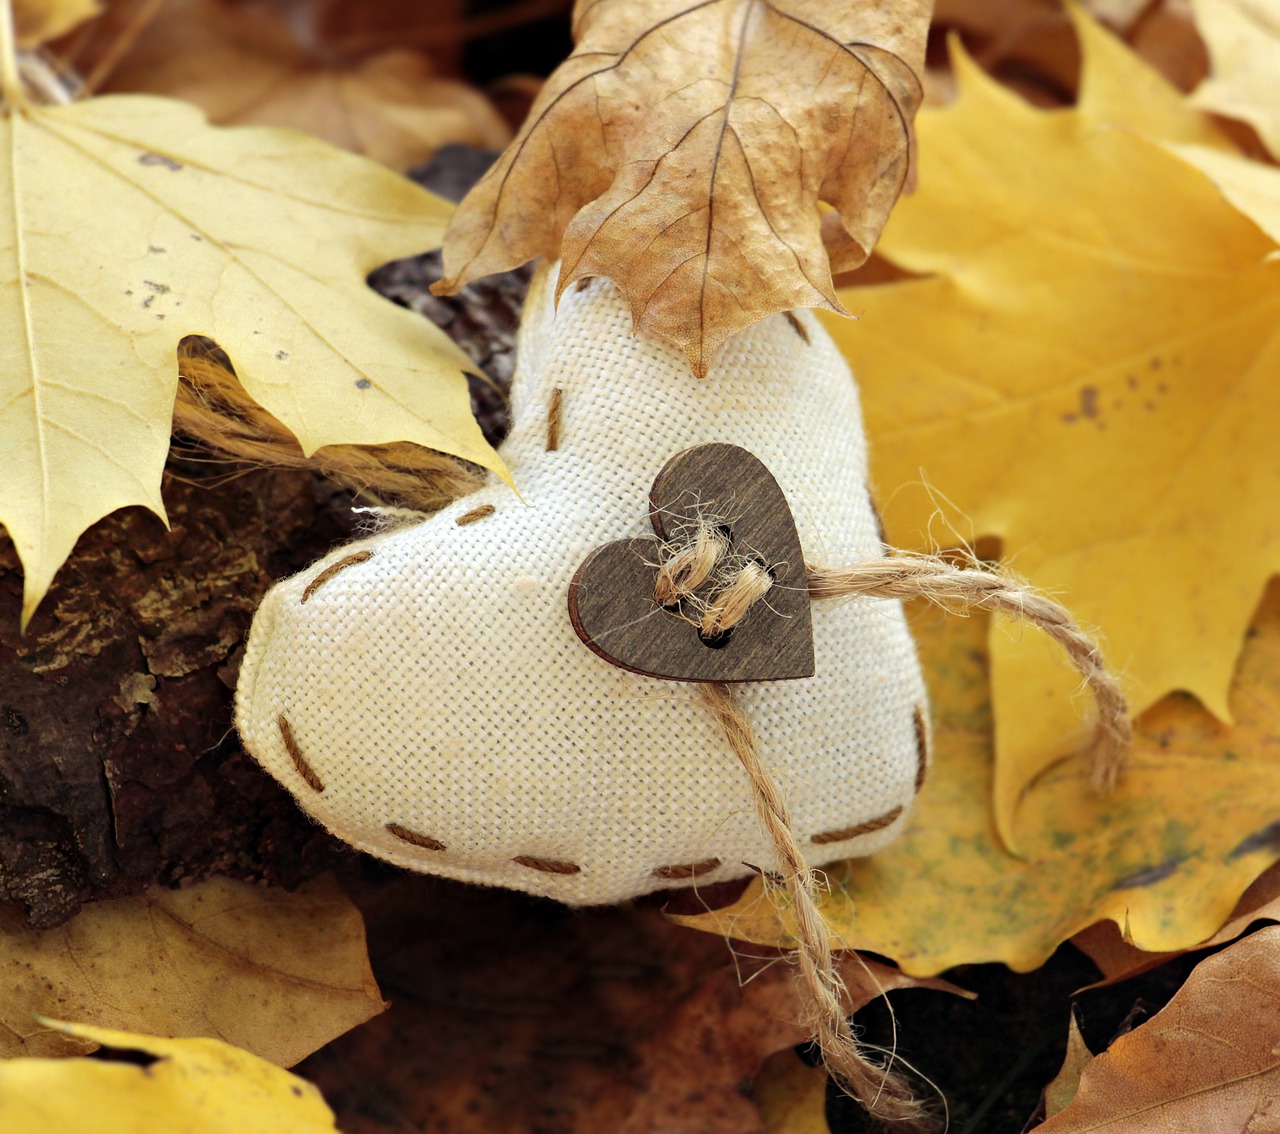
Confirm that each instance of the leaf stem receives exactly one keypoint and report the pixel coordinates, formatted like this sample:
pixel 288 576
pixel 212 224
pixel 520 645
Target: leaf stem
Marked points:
pixel 10 80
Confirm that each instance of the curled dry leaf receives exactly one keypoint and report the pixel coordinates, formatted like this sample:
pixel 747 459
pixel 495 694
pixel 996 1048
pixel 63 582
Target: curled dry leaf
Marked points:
pixel 276 973
pixel 1207 1062
pixel 1099 381
pixel 682 152
pixel 245 65
pixel 1167 854
pixel 128 223
pixel 151 1085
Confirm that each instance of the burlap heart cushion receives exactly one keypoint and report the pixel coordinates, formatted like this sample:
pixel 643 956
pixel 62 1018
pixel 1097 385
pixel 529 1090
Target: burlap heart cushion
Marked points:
pixel 423 695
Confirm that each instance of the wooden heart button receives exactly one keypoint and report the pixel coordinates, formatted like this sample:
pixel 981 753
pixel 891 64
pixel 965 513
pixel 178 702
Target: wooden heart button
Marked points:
pixel 720 595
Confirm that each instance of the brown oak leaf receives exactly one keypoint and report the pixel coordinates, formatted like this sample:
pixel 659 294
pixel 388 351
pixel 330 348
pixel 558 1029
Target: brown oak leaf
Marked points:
pixel 683 150
pixel 1207 1062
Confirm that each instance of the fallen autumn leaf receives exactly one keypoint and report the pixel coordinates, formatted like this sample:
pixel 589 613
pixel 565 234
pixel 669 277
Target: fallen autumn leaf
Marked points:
pixel 1207 1062
pixel 128 223
pixel 1243 37
pixel 275 973
pixel 520 1015
pixel 1107 418
pixel 156 1086
pixel 682 152
pixel 247 65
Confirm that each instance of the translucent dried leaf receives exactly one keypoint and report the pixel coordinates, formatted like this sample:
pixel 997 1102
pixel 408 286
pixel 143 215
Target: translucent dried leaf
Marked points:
pixel 1059 1093
pixel 682 152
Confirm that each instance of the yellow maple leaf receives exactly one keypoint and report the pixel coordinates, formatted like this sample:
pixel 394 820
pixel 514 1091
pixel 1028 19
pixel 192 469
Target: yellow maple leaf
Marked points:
pixel 156 1086
pixel 127 223
pixel 682 152
pixel 279 974
pixel 1243 38
pixel 1091 375
pixel 1166 855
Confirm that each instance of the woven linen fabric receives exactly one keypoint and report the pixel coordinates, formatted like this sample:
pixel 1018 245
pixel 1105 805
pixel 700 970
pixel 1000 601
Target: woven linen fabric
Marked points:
pixel 432 705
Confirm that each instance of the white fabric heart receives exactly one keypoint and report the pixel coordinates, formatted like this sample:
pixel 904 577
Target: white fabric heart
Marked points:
pixel 429 702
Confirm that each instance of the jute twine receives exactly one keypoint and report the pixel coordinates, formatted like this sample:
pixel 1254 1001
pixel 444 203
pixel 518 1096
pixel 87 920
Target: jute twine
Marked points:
pixel 883 1092
pixel 703 556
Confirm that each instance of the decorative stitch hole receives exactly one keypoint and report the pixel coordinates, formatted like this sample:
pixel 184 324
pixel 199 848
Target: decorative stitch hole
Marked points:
pixel 305 770
pixel 876 824
pixel 687 870
pixel 333 569
pixel 796 325
pixel 475 514
pixel 426 842
pixel 547 865
pixel 922 747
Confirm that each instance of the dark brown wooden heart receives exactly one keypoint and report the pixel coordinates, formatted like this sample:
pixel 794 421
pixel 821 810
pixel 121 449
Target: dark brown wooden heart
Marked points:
pixel 611 599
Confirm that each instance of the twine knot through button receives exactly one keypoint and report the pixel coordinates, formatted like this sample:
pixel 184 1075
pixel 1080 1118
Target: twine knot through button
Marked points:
pixel 704 581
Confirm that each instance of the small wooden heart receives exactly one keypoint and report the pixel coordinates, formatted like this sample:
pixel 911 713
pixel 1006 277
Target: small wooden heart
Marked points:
pixel 611 597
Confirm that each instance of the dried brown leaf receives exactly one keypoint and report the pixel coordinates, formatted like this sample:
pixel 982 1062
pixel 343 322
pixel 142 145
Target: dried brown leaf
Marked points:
pixel 278 974
pixel 1207 1062
pixel 244 64
pixel 1059 1093
pixel 682 152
